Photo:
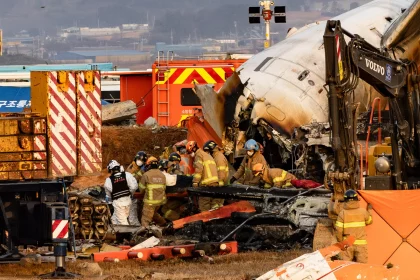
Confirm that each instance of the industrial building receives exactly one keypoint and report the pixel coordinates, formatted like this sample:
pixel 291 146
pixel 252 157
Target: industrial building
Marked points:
pixel 101 56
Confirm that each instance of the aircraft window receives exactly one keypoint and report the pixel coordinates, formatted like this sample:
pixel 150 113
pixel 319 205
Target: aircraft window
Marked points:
pixel 189 98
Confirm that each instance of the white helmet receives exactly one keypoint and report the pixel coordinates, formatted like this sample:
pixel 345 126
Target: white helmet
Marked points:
pixel 114 165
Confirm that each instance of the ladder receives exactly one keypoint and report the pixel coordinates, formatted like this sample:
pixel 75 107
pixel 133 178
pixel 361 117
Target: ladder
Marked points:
pixel 162 81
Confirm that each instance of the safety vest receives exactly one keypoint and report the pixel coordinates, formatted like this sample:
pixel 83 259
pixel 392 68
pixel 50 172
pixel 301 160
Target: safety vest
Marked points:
pixel 119 186
pixel 153 183
pixel 205 169
pixel 352 220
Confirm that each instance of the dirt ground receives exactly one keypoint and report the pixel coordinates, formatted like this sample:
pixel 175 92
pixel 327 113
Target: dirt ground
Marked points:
pixel 123 142
pixel 241 266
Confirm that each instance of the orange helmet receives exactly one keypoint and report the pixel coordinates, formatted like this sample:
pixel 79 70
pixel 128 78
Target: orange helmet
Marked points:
pixel 152 160
pixel 191 146
pixel 258 169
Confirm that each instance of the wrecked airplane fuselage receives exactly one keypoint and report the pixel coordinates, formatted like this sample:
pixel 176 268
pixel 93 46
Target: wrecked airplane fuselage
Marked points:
pixel 281 91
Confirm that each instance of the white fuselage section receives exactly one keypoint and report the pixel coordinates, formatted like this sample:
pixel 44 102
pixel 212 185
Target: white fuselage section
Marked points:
pixel 289 77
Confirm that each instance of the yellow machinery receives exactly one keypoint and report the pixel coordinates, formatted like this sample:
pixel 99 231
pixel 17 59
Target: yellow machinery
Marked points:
pixel 40 151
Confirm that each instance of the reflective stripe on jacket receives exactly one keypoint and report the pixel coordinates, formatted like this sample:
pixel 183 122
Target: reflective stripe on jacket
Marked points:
pixel 244 173
pixel 352 220
pixel 222 168
pixel 153 184
pixel 205 169
pixel 278 178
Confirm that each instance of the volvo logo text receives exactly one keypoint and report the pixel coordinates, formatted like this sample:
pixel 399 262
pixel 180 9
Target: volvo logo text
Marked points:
pixel 375 67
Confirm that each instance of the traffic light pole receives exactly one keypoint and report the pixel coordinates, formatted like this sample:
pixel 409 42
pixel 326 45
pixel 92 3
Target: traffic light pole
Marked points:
pixel 267 13
pixel 267 42
pixel 255 17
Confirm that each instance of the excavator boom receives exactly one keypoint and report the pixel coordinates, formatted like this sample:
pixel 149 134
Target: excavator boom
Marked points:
pixel 397 80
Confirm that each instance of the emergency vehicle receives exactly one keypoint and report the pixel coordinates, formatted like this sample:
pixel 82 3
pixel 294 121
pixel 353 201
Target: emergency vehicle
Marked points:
pixel 165 92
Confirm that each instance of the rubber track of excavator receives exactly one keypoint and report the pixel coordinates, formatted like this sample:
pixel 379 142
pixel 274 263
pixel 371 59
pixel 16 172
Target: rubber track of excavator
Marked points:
pixel 168 252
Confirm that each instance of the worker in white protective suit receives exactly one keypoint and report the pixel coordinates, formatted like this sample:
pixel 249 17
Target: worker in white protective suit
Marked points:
pixel 120 186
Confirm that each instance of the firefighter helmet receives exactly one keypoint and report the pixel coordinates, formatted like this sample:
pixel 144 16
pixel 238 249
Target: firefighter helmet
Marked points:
pixel 251 144
pixel 174 157
pixel 163 164
pixel 209 146
pixel 258 169
pixel 141 156
pixel 152 163
pixel 191 147
pixel 152 160
pixel 350 195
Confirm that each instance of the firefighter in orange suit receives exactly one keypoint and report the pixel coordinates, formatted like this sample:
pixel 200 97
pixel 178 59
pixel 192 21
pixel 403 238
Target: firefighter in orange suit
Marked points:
pixel 205 174
pixel 185 163
pixel 352 220
pixel 222 167
pixel 244 173
pixel 153 185
pixel 272 177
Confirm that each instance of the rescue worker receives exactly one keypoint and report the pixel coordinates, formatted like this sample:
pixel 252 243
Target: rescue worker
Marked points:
pixel 137 169
pixel 272 177
pixel 244 173
pixel 222 168
pixel 120 186
pixel 185 165
pixel 170 178
pixel 153 185
pixel 175 205
pixel 205 174
pixel 352 220
pixel 174 166
pixel 221 162
pixel 137 166
pixel 180 146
